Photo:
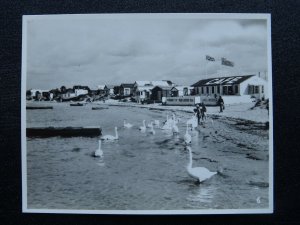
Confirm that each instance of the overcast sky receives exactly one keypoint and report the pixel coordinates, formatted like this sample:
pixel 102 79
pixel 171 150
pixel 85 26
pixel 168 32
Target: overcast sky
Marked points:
pixel 92 51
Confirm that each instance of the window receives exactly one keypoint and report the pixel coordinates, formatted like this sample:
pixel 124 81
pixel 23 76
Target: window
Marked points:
pixel 218 89
pixel 126 91
pixel 202 90
pixel 256 89
pixel 212 89
pixel 236 89
pixel 185 91
pixel 207 90
pixel 224 90
pixel 262 89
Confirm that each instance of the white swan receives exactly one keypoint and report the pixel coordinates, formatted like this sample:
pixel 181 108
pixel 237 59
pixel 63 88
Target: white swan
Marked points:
pixel 167 124
pixel 187 136
pixel 99 152
pixel 110 137
pixel 175 128
pixel 212 122
pixel 127 125
pixel 149 125
pixel 156 123
pixel 193 122
pixel 200 173
pixel 152 131
pixel 143 128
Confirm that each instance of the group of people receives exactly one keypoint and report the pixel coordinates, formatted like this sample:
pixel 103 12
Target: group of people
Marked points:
pixel 200 110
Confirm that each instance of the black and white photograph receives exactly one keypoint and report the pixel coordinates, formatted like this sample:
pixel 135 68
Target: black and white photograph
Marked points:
pixel 147 113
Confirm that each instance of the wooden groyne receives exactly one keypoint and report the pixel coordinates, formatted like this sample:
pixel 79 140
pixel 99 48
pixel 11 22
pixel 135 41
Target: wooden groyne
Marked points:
pixel 99 108
pixel 39 107
pixel 76 104
pixel 45 132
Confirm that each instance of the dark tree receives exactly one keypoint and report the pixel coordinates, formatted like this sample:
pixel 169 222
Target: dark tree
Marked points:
pixel 63 89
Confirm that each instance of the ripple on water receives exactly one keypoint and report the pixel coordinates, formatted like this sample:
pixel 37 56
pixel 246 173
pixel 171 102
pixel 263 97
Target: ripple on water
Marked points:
pixel 139 171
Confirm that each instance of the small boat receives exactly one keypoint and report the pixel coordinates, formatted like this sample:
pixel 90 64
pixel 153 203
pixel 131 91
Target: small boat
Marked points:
pixel 76 104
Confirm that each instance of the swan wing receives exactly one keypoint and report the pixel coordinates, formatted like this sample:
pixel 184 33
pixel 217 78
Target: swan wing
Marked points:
pixel 108 137
pixel 201 173
pixel 187 138
pixel 98 153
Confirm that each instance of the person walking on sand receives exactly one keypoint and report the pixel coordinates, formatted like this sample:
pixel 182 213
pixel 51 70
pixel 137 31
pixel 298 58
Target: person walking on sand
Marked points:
pixel 198 113
pixel 221 104
pixel 203 111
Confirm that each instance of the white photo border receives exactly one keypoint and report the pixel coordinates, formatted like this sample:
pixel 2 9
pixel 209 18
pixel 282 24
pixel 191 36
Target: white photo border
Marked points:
pixel 28 18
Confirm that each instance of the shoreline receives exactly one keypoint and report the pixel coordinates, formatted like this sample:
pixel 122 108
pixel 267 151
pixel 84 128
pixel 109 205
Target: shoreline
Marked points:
pixel 233 112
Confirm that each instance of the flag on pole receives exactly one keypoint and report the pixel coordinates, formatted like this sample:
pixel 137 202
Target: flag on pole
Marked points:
pixel 209 58
pixel 226 62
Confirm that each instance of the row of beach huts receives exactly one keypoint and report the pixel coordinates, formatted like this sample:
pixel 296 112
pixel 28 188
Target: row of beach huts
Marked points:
pixel 233 89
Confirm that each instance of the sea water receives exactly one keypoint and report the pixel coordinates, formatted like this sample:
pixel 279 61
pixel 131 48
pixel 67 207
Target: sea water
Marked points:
pixel 141 171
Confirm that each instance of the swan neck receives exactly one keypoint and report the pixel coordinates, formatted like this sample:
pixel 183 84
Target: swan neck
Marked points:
pixel 117 134
pixel 190 159
pixel 99 144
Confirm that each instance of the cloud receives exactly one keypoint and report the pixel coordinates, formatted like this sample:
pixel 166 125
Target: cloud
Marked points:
pixel 113 51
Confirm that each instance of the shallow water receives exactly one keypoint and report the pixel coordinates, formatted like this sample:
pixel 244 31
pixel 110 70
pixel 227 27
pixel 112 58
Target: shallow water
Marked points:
pixel 140 170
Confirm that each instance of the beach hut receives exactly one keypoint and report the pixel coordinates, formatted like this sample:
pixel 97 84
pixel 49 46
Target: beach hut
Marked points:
pixel 158 92
pixel 126 89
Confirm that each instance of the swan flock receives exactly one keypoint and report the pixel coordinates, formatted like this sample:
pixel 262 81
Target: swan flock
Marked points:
pixel 199 173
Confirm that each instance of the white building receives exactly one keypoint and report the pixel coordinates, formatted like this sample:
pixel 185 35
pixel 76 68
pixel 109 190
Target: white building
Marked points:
pixel 35 91
pixel 234 89
pixel 142 90
pixel 110 89
pixel 178 91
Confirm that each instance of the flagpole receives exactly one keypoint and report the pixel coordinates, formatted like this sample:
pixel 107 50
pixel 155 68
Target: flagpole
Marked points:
pixel 206 69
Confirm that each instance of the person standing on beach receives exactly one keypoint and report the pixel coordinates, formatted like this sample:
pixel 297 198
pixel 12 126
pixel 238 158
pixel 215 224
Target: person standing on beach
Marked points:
pixel 221 104
pixel 198 113
pixel 203 111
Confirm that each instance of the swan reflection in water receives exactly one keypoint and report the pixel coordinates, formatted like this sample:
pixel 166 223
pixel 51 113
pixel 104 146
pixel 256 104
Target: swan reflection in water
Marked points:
pixel 202 194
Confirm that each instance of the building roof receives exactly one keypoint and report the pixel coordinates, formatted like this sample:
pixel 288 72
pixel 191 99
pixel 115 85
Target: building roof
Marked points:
pixel 81 87
pixel 160 83
pixel 101 87
pixel 142 82
pixel 126 85
pixel 110 86
pixel 222 81
pixel 162 88
pixel 144 88
pixel 180 88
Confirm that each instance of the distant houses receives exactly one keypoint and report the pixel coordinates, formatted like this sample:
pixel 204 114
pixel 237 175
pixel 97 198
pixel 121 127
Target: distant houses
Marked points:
pixel 102 89
pixel 110 89
pixel 38 94
pixel 143 90
pixel 233 89
pixel 158 92
pixel 126 89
